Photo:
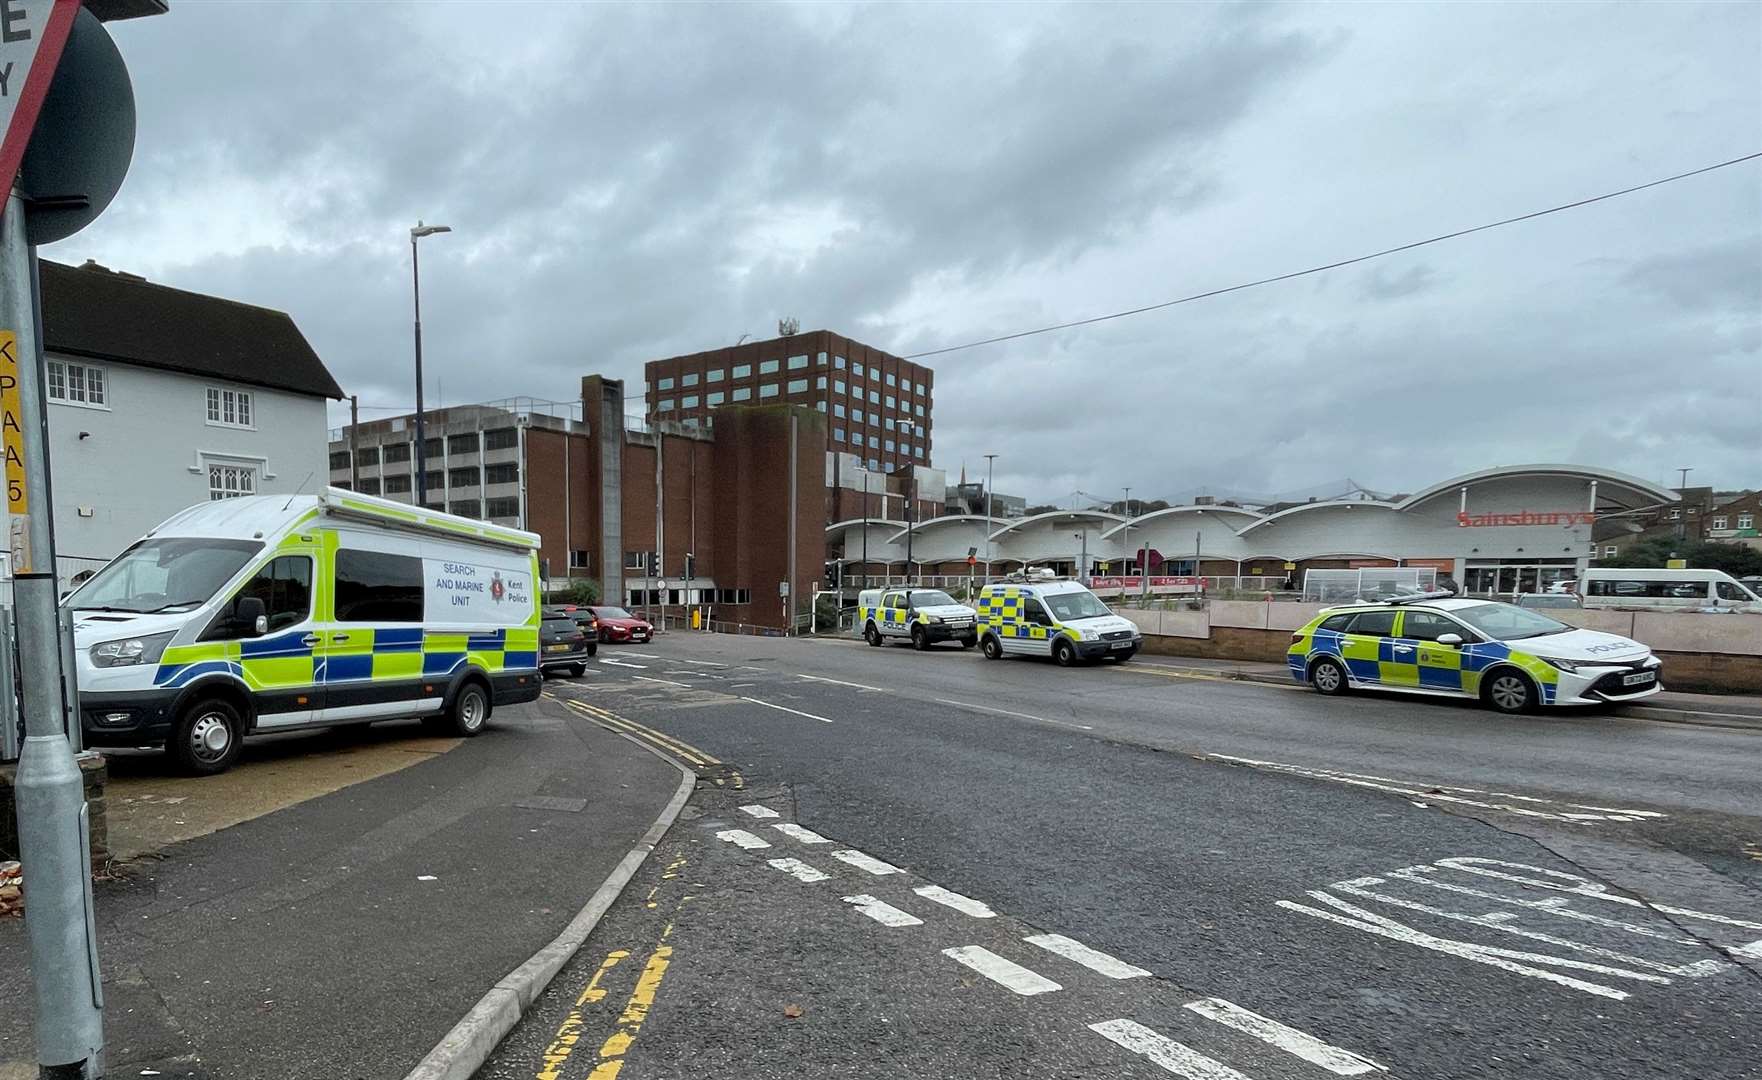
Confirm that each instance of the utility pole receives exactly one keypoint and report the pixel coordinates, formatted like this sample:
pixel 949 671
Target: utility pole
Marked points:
pixel 660 524
pixel 1126 541
pixel 990 459
pixel 1682 510
pixel 416 234
pixel 865 527
pixel 354 456
pixel 789 598
pixel 1083 558
pixel 54 827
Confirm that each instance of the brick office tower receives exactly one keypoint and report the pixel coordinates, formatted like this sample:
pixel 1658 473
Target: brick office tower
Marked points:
pixel 877 406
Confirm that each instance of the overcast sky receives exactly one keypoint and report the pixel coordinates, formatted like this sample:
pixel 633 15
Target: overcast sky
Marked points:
pixel 629 183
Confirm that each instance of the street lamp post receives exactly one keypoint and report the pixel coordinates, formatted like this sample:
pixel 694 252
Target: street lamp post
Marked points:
pixel 416 234
pixel 1126 539
pixel 866 581
pixel 911 497
pixel 990 459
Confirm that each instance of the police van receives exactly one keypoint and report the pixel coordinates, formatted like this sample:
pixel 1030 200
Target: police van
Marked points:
pixel 922 616
pixel 272 612
pixel 1060 619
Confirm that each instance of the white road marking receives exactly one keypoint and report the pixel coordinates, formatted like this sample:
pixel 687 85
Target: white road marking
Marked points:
pixel 742 838
pixel 620 663
pixel 1165 1052
pixel 787 709
pixel 852 857
pixel 841 682
pixel 799 870
pixel 1289 1039
pixel 885 914
pixel 796 832
pixel 741 685
pixel 663 682
pixel 1752 951
pixel 1006 712
pixel 761 811
pixel 1579 886
pixel 674 659
pixel 1005 973
pixel 966 905
pixel 1093 959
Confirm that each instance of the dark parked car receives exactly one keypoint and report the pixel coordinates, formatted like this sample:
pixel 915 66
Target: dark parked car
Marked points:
pixel 584 618
pixel 616 624
pixel 563 644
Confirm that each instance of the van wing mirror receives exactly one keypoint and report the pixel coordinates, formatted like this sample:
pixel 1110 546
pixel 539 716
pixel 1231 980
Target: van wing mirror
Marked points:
pixel 250 612
pixel 1452 640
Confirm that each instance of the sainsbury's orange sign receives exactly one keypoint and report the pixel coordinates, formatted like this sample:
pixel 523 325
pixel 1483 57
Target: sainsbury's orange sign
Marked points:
pixel 1526 517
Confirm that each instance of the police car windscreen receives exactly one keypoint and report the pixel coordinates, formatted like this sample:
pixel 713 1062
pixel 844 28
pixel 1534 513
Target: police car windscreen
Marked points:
pixel 1075 605
pixel 165 573
pixel 930 598
pixel 1502 622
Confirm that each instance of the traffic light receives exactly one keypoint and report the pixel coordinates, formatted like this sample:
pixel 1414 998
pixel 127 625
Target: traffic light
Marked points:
pixel 654 564
pixel 690 566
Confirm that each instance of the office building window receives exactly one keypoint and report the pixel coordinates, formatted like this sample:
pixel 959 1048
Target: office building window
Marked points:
pixel 838 434
pixel 797 363
pixel 715 375
pixel 819 382
pixel 368 455
pixel 664 405
pixel 431 449
pixel 798 386
pixel 820 405
pixel 919 450
pixel 502 438
pixel 889 446
pixel 77 384
pixel 340 460
pixel 231 481
pixel 501 508
pixel 838 362
pixel 507 472
pixel 396 453
pixel 874 442
pixel 369 485
pixel 741 371
pixel 891 403
pixel 820 360
pixel 715 397
pixel 689 401
pixel 437 480
pixel 227 408
pixel 466 508
pixel 664 384
pixel 874 463
pixel 890 381
pixel 688 380
pixel 462 444
pixel 838 409
pixel 874 397
pixel 856 371
pixel 921 389
pixel 768 367
pixel 743 393
pixel 856 416
pixel 767 390
pixel 920 410
pixel 578 560
pixel 397 485
pixel 466 477
pixel 887 423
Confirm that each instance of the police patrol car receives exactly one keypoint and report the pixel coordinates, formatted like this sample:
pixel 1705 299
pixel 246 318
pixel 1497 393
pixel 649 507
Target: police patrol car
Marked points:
pixel 1511 658
pixel 1060 619
pixel 271 612
pixel 922 615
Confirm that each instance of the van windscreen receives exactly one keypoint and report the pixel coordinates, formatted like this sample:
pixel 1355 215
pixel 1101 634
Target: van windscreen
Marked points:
pixel 164 574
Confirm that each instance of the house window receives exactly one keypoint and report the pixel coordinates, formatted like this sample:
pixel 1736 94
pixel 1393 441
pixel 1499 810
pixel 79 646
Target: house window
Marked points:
pixel 369 485
pixel 796 363
pixel 229 408
pixel 1718 522
pixel 743 393
pixel 767 367
pixel 767 389
pixel 503 438
pixel 1676 515
pixel 798 386
pixel 501 508
pixel 397 485
pixel 467 477
pixel 340 460
pixel 741 371
pixel 506 473
pixel 1609 551
pixel 664 384
pixel 715 397
pixel 231 481
pixel 462 444
pixel 715 375
pixel 1746 521
pixel 77 384
pixel 688 380
pixel 396 452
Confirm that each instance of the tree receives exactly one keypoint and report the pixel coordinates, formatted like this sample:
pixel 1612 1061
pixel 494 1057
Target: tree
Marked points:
pixel 1655 551
pixel 582 592
pixel 1045 508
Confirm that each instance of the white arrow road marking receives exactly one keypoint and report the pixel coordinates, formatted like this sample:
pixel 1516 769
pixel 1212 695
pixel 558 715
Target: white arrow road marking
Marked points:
pixel 852 857
pixel 761 811
pixel 796 832
pixel 799 870
pixel 620 663
pixel 966 905
pixel 742 838
pixel 1093 959
pixel 1165 1052
pixel 885 914
pixel 1005 973
pixel 1289 1039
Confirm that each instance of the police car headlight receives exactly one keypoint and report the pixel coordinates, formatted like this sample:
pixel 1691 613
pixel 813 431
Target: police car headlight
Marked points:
pixel 933 618
pixel 129 651
pixel 1563 665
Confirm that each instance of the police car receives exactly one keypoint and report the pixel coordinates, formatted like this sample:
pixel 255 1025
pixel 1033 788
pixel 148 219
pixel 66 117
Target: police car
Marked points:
pixel 922 616
pixel 1511 658
pixel 1060 619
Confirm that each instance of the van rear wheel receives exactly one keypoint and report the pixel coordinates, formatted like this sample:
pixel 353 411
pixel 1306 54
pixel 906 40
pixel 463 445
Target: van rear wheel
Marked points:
pixel 872 635
pixel 469 711
pixel 205 739
pixel 991 647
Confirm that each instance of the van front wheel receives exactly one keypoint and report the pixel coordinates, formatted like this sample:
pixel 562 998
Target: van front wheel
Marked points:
pixel 205 739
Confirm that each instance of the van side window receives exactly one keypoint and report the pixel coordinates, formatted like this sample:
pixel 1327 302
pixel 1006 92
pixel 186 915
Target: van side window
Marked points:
pixel 1731 591
pixel 1662 590
pixel 283 584
pixel 893 600
pixel 372 586
pixel 1035 612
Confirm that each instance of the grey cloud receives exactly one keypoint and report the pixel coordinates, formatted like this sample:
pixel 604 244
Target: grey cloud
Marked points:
pixel 1389 283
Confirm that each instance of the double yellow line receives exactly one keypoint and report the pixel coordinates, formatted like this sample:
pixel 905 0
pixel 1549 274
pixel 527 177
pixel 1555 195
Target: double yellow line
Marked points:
pixel 656 739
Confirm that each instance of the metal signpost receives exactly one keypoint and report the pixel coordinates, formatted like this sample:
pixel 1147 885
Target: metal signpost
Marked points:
pixel 67 112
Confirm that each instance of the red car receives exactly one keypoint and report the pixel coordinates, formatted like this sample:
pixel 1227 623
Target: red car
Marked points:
pixel 616 624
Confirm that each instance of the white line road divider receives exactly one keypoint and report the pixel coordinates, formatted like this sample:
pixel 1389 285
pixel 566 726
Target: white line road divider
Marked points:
pixel 1006 712
pixel 885 914
pixel 742 839
pixel 852 857
pixel 620 663
pixel 761 812
pixel 799 870
pixel 796 832
pixel 966 905
pixel 1165 1052
pixel 1289 1039
pixel 663 682
pixel 1005 973
pixel 787 709
pixel 1093 959
pixel 674 659
pixel 841 682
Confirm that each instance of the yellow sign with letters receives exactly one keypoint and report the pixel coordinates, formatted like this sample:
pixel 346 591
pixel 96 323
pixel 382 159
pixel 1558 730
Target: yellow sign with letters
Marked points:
pixel 12 426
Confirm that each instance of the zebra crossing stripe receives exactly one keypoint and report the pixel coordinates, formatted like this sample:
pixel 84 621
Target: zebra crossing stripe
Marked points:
pixel 1093 959
pixel 1005 973
pixel 1165 1052
pixel 1289 1039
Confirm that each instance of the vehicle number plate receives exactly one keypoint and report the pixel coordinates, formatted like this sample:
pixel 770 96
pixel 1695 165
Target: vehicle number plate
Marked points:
pixel 1638 678
pixel 1121 645
pixel 557 648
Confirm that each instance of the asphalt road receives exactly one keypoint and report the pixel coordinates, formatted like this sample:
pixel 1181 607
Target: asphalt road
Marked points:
pixel 1014 870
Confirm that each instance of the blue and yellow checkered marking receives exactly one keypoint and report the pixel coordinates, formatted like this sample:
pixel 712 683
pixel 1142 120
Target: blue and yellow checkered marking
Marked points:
pixel 1000 611
pixel 1433 667
pixel 353 654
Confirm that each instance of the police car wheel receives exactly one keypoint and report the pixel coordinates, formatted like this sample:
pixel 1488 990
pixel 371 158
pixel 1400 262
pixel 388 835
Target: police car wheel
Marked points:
pixel 205 740
pixel 920 639
pixel 470 710
pixel 578 670
pixel 992 648
pixel 969 641
pixel 872 635
pixel 1510 692
pixel 1064 653
pixel 1328 677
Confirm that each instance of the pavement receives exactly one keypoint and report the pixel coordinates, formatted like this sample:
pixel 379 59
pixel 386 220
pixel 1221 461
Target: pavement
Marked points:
pixel 931 865
pixel 344 936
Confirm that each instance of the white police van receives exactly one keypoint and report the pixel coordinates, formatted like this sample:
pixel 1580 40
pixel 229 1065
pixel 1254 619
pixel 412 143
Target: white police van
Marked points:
pixel 922 616
pixel 1060 619
pixel 275 612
